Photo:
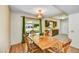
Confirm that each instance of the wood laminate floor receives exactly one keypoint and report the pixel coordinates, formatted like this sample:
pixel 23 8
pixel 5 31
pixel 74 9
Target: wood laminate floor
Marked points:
pixel 19 48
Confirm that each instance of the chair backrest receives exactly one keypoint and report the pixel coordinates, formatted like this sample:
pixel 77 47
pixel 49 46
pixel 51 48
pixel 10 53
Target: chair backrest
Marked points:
pixel 67 43
pixel 66 46
pixel 26 40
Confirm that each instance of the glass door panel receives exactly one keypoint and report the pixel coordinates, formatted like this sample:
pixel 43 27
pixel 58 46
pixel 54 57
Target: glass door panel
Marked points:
pixel 32 24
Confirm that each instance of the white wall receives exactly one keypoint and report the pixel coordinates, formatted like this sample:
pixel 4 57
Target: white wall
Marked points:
pixel 4 28
pixel 74 29
pixel 16 27
pixel 64 28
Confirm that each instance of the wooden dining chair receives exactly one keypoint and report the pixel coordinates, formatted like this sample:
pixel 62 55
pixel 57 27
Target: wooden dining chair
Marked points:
pixel 31 46
pixel 56 48
pixel 66 46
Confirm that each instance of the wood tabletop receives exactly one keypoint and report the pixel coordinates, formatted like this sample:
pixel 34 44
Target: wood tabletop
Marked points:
pixel 45 42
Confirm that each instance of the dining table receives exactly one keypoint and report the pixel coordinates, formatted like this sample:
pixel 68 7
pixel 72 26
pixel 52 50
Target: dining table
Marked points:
pixel 45 42
pixel 64 42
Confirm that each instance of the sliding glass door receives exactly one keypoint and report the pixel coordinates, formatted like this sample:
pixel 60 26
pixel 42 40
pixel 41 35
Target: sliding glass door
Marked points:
pixel 32 24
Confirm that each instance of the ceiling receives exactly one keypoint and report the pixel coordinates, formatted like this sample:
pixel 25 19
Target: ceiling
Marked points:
pixel 69 9
pixel 49 10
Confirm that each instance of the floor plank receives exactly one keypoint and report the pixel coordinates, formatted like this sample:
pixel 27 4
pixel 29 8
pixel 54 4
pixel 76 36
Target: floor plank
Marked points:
pixel 19 48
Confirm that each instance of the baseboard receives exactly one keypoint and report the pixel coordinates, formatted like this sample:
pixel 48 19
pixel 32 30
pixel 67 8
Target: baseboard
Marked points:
pixel 74 47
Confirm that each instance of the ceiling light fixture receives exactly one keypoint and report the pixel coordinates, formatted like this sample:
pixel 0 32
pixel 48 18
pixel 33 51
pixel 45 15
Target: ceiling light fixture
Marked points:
pixel 39 13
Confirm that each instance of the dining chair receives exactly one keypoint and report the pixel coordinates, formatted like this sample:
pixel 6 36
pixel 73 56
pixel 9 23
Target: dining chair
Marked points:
pixel 31 46
pixel 66 46
pixel 56 48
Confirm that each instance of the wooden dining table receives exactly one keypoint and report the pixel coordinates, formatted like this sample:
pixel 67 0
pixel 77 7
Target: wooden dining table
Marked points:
pixel 44 42
pixel 64 42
